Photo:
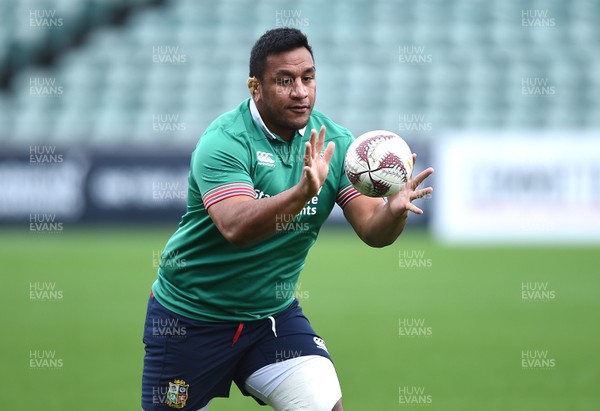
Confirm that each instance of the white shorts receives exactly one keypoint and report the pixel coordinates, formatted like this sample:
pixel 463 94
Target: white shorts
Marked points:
pixel 302 383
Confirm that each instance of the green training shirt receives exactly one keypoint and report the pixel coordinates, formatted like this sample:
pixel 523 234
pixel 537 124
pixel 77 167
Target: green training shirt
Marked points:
pixel 201 274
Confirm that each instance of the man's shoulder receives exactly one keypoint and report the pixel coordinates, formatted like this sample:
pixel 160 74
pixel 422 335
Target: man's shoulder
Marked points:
pixel 232 125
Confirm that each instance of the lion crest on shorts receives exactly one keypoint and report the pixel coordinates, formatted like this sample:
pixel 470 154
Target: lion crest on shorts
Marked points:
pixel 178 394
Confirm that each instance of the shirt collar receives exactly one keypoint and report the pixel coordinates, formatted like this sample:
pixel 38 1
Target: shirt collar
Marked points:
pixel 260 123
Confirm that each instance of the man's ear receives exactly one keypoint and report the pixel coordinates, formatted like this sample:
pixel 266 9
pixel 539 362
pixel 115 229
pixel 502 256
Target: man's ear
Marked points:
pixel 253 86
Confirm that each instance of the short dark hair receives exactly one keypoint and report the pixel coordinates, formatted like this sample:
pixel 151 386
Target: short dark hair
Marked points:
pixel 275 41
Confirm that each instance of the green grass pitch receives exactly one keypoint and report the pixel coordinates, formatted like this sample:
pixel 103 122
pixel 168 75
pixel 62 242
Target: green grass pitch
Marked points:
pixel 412 326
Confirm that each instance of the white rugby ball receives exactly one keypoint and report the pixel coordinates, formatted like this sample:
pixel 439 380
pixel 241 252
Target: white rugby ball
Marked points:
pixel 378 163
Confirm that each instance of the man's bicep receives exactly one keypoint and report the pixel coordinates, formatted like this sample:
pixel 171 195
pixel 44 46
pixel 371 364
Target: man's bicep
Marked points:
pixel 223 213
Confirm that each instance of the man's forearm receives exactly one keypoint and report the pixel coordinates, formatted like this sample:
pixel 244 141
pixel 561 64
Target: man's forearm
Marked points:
pixel 249 221
pixel 382 228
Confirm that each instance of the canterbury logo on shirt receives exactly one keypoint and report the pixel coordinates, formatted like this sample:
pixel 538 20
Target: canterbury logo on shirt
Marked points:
pixel 265 159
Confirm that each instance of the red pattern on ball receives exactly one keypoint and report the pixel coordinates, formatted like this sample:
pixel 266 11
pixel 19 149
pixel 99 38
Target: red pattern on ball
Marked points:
pixel 362 151
pixel 380 187
pixel 391 160
pixel 354 178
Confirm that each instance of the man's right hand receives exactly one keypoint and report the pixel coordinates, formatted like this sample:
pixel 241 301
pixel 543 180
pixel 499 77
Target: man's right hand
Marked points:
pixel 242 220
pixel 316 163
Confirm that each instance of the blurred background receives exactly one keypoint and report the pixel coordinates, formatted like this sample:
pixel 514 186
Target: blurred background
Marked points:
pixel 487 301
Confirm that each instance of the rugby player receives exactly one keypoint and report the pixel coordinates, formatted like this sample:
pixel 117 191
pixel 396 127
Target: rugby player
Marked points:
pixel 263 179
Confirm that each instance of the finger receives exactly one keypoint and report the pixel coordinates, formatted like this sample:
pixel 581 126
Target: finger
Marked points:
pixel 414 160
pixel 308 172
pixel 320 140
pixel 313 137
pixel 328 154
pixel 421 193
pixel 310 176
pixel 416 181
pixel 307 156
pixel 414 208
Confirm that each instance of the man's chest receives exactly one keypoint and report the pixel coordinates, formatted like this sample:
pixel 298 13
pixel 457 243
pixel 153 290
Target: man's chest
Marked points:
pixel 278 167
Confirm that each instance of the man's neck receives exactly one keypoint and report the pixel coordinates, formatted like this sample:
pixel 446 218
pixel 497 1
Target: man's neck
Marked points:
pixel 269 129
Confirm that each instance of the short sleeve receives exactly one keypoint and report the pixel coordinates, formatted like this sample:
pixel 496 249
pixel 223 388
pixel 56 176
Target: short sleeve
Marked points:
pixel 346 194
pixel 221 167
pixel 346 191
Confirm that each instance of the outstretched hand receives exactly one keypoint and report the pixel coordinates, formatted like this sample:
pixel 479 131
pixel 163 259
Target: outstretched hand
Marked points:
pixel 401 202
pixel 316 162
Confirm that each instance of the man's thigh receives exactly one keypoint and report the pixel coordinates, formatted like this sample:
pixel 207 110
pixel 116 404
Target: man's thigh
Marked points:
pixel 187 362
pixel 291 353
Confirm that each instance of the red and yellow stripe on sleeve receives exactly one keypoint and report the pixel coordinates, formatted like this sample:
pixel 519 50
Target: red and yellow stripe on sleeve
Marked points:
pixel 225 191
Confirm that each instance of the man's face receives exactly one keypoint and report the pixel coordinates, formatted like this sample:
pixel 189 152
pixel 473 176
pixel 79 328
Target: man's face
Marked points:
pixel 286 95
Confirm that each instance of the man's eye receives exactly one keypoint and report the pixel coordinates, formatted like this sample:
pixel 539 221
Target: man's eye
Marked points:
pixel 307 79
pixel 285 81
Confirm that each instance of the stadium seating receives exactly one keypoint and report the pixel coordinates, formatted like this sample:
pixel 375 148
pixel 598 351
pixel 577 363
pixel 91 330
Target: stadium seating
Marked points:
pixel 189 59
